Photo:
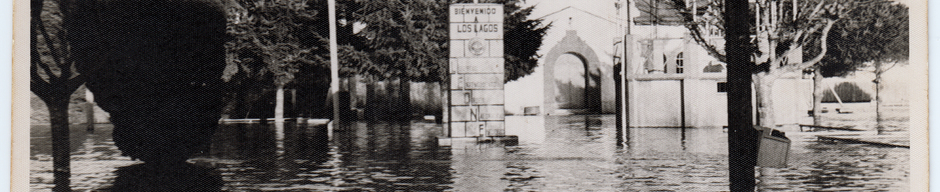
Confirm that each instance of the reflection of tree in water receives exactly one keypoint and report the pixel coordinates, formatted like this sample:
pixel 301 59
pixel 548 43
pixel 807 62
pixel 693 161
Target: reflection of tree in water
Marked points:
pixel 592 127
pixel 593 91
pixel 249 154
pixel 180 177
pixel 389 156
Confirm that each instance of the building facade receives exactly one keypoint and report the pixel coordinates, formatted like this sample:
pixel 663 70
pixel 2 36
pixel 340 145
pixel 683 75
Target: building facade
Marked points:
pixel 672 80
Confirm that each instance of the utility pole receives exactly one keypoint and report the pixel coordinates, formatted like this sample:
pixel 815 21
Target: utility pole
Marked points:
pixel 334 63
pixel 742 137
pixel 623 111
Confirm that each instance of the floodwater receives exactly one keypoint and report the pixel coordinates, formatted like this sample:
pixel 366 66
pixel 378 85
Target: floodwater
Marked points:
pixel 556 153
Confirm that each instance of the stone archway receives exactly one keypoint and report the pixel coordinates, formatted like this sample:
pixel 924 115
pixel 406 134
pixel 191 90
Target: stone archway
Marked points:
pixel 573 45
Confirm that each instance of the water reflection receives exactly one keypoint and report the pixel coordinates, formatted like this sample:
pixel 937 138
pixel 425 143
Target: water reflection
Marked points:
pixel 818 166
pixel 182 177
pixel 362 156
pixel 555 153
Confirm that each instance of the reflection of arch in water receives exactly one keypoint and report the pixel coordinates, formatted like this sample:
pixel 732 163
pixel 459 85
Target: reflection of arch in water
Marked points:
pixel 589 92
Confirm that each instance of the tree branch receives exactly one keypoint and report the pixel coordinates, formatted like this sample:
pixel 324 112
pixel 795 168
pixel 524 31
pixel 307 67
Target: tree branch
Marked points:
pixel 48 71
pixel 795 44
pixel 815 10
pixel 879 71
pixel 712 50
pixel 36 83
pixel 801 39
pixel 53 50
pixel 822 52
pixel 822 44
pixel 65 9
pixel 257 42
pixel 73 83
pixel 695 30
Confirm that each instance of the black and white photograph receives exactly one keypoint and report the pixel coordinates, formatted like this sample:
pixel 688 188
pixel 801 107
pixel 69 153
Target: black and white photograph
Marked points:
pixel 470 95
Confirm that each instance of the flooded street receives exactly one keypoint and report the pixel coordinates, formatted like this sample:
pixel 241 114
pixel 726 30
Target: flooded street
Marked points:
pixel 555 153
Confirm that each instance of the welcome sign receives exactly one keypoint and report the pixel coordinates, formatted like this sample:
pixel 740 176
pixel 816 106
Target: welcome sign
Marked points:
pixel 475 101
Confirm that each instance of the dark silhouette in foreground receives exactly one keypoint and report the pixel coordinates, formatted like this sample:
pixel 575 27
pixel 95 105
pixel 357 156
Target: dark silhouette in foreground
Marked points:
pixel 176 177
pixel 155 66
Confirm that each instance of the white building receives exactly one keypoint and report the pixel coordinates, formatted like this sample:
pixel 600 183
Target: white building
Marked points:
pixel 673 82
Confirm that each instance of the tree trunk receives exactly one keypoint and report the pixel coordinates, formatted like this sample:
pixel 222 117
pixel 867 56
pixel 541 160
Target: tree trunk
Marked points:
pixel 764 88
pixel 404 98
pixel 57 97
pixel 443 116
pixel 372 100
pixel 263 119
pixel 742 137
pixel 58 106
pixel 351 84
pixel 818 93
pixel 430 98
pixel 279 105
pixel 263 103
pixel 878 112
pixel 877 81
pixel 293 103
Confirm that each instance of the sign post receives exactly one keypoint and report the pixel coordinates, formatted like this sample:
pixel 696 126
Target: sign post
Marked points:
pixel 475 104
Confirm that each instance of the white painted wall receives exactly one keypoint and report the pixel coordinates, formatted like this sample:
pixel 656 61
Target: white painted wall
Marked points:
pixel 656 104
pixel 599 33
pixel 705 106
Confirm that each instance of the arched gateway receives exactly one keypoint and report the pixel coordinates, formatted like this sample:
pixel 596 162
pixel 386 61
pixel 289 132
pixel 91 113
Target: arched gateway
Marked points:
pixel 572 91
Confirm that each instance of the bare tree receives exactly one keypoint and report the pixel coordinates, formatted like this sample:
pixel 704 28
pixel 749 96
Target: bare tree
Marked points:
pixel 53 77
pixel 782 29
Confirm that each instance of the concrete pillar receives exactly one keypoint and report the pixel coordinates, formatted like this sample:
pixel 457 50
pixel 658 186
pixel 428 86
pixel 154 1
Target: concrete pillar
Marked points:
pixel 658 65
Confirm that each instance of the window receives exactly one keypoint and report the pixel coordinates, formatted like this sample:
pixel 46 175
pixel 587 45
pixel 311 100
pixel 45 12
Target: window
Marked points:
pixel 722 87
pixel 679 63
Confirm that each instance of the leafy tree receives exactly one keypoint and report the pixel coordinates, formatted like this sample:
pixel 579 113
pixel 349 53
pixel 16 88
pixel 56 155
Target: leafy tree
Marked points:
pixel 420 28
pixel 403 39
pixel 53 76
pixel 408 41
pixel 521 41
pixel 274 43
pixel 876 34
